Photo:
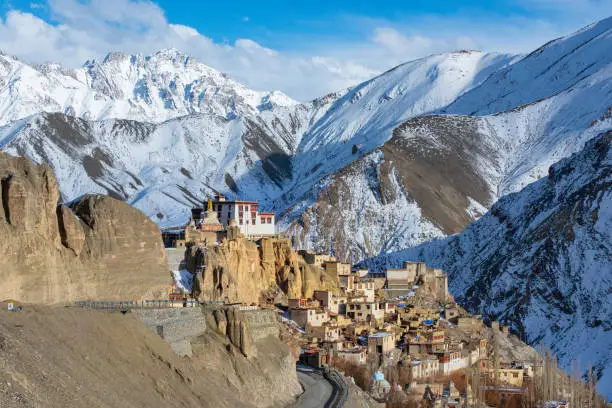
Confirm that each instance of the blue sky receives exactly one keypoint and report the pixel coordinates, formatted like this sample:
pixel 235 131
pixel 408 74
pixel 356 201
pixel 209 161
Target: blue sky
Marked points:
pixel 304 49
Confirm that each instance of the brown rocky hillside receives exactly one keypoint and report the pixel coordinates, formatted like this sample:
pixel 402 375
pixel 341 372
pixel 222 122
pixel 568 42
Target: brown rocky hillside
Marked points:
pixel 94 248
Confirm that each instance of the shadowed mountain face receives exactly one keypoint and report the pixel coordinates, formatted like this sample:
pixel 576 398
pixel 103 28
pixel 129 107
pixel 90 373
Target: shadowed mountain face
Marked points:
pixel 540 260
pixel 418 185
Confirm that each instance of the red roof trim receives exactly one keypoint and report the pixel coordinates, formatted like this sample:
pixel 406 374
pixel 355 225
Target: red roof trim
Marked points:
pixel 235 202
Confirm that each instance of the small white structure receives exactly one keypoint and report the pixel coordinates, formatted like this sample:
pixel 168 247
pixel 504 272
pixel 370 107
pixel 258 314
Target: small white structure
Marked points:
pixel 309 316
pixel 11 305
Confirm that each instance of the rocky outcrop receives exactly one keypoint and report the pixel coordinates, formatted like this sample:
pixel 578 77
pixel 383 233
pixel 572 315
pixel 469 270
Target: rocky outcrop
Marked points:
pixel 241 270
pixel 254 360
pixel 94 248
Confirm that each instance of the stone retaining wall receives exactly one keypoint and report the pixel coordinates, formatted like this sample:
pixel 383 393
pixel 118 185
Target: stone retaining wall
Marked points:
pixel 176 326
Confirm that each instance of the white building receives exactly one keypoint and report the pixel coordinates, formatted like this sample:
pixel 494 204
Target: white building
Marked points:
pixel 429 367
pixel 249 219
pixel 310 316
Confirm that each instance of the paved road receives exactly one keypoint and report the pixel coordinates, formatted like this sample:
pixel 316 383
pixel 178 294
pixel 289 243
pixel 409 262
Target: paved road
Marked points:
pixel 317 390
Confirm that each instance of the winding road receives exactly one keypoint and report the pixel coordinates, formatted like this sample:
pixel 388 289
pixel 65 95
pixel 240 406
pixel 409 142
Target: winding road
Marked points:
pixel 317 390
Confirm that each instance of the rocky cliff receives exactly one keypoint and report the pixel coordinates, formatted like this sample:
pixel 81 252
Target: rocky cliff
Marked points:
pixel 245 346
pixel 95 247
pixel 246 271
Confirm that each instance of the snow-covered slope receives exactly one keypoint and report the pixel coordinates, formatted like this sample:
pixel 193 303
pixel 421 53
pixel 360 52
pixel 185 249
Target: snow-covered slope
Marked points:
pixel 163 169
pixel 154 88
pixel 555 67
pixel 364 118
pixel 541 260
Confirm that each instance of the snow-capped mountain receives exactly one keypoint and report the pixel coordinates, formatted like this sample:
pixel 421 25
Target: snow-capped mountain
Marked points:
pixel 200 131
pixel 541 260
pixel 275 151
pixel 154 88
pixel 440 172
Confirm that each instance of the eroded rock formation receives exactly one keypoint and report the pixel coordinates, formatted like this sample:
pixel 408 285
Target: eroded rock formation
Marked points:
pixel 240 270
pixel 94 248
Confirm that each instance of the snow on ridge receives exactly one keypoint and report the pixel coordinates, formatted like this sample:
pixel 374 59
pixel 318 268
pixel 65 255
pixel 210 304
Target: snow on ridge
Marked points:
pixel 153 88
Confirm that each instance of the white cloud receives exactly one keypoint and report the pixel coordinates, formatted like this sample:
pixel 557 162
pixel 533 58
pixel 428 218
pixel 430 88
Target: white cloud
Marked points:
pixel 82 30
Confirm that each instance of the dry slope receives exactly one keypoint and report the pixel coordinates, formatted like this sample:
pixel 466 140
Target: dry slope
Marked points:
pixel 64 357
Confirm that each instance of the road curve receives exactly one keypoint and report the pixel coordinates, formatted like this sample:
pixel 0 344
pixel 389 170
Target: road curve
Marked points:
pixel 317 390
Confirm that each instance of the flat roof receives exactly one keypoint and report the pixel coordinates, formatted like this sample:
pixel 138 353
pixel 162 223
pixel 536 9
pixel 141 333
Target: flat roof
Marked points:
pixel 380 334
pixel 234 202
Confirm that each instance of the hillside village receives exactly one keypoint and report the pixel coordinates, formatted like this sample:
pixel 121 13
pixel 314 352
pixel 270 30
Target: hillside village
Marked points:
pixel 175 233
pixel 397 334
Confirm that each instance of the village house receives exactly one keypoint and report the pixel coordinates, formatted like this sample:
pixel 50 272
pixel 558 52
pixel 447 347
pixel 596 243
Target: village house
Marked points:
pixel 388 307
pixel 309 316
pixel 450 361
pixel 365 312
pixel 338 268
pixel 297 303
pixel 510 376
pixel 379 279
pixel 341 320
pixel 356 354
pixel 335 304
pixel 362 287
pixel 424 368
pixel 381 343
pixel 315 259
pixel 346 283
pixel 530 368
pixel 414 316
pixel 324 297
pixel 316 358
pixel 402 280
pixel 327 332
pixel 356 329
pixel 360 273
pixel 426 342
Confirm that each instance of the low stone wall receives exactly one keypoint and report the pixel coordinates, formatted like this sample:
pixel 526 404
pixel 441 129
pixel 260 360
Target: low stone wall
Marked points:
pixel 176 326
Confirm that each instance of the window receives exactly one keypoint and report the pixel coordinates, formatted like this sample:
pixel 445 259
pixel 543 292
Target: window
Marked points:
pixel 253 221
